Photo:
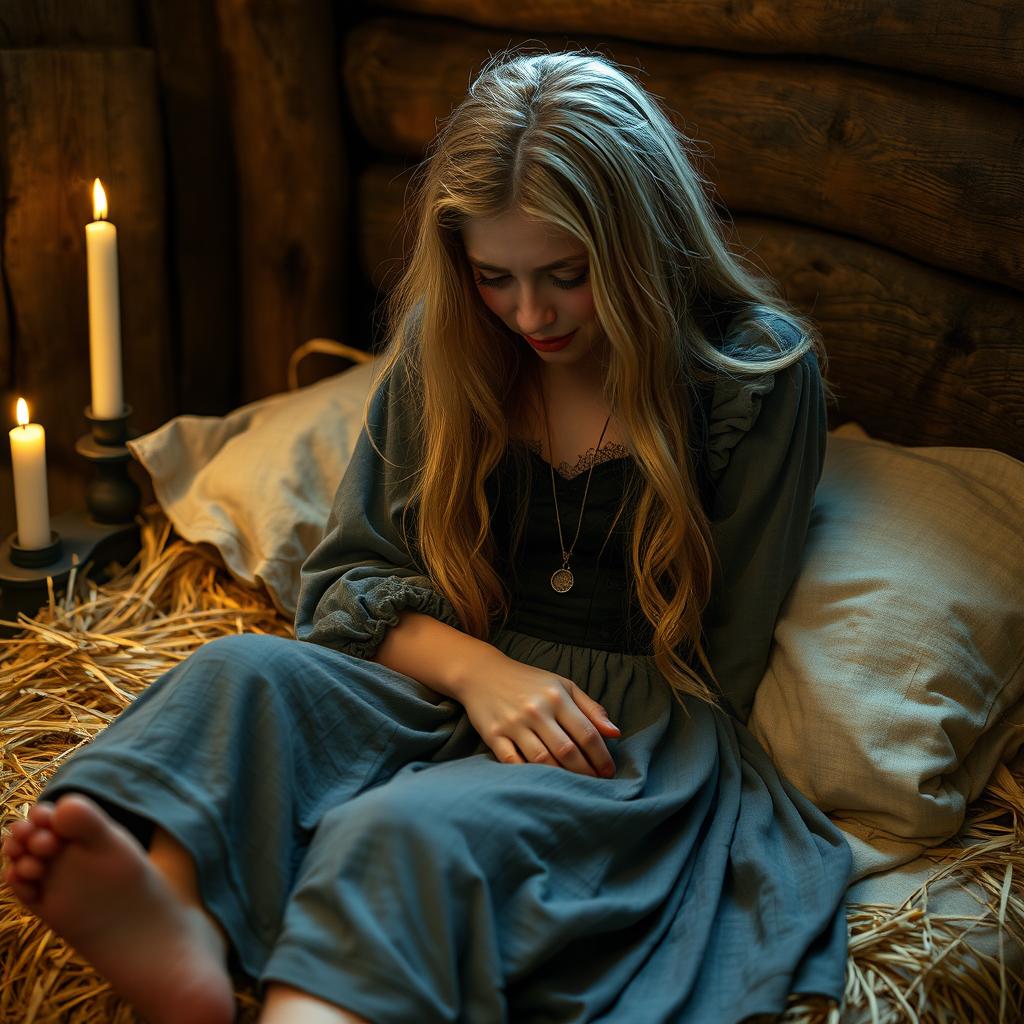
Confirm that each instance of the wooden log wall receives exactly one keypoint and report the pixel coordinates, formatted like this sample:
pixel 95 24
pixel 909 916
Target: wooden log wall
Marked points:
pixel 217 132
pixel 870 160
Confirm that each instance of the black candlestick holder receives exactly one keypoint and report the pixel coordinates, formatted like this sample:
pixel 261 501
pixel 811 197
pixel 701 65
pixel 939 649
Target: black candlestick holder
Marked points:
pixel 108 533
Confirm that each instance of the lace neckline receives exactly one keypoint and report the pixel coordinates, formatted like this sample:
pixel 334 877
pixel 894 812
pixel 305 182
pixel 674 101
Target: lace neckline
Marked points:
pixel 612 451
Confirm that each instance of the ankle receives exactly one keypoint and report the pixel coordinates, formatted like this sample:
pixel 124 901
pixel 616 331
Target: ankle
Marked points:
pixel 283 1004
pixel 175 863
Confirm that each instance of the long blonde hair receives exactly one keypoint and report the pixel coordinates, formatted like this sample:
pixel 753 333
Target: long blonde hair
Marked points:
pixel 569 138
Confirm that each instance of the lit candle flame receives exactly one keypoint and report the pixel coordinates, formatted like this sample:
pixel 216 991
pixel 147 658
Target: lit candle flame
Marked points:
pixel 99 201
pixel 22 412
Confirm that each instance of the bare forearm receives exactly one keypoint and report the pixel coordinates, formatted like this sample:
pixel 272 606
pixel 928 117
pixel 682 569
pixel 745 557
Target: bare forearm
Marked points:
pixel 432 652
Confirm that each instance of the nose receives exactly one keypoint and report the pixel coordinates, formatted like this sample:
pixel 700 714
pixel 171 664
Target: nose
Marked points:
pixel 532 315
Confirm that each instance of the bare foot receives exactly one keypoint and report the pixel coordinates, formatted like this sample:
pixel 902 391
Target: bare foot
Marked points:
pixel 91 881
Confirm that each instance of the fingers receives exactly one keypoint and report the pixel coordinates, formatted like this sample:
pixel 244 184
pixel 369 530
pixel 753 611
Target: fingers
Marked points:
pixel 591 739
pixel 593 746
pixel 504 750
pixel 564 729
pixel 593 710
pixel 578 746
pixel 556 730
pixel 536 751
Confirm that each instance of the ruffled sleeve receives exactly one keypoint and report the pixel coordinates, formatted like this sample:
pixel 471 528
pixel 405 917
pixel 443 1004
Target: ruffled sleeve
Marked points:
pixel 355 582
pixel 735 407
pixel 765 456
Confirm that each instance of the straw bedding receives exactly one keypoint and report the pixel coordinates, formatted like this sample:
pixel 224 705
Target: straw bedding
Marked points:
pixel 70 670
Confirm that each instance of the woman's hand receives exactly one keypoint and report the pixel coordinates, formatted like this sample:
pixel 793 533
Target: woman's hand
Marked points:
pixel 525 714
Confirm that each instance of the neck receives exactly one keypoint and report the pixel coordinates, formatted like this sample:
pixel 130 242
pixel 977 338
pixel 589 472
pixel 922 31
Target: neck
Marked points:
pixel 586 379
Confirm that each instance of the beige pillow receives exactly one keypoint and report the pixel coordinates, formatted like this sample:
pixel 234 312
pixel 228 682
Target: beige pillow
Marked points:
pixel 258 483
pixel 896 682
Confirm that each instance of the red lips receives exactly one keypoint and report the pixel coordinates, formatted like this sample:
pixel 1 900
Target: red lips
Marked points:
pixel 549 341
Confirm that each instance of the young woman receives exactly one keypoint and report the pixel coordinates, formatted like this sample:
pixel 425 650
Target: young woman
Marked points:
pixel 580 496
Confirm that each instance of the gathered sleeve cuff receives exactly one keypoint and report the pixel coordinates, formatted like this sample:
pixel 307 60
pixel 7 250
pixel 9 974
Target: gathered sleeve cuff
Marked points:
pixel 766 454
pixel 359 607
pixel 361 575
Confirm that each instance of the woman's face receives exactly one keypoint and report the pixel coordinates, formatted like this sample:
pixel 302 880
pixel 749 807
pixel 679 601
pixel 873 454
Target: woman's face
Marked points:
pixel 510 257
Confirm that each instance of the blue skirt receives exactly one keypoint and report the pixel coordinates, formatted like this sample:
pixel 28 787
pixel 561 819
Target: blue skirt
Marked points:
pixel 357 839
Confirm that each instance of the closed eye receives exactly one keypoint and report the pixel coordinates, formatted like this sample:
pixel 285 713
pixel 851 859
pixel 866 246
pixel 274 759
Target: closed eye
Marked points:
pixel 558 282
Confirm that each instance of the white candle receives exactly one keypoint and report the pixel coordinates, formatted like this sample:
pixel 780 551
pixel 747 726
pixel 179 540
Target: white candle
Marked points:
pixel 31 502
pixel 104 310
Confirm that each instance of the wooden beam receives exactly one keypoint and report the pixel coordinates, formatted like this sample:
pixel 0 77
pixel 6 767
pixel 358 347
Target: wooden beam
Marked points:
pixel 201 195
pixel 59 24
pixel 974 44
pixel 924 168
pixel 292 187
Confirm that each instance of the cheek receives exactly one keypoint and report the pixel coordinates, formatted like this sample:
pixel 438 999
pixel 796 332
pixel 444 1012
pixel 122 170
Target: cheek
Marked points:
pixel 582 305
pixel 489 300
pixel 585 308
pixel 492 300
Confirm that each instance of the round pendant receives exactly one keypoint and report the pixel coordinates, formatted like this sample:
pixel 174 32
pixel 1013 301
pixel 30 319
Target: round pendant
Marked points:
pixel 561 580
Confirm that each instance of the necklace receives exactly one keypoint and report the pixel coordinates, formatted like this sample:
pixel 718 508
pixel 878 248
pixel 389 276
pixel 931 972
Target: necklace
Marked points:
pixel 562 579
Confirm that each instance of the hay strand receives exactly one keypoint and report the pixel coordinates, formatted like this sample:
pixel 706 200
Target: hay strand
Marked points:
pixel 84 657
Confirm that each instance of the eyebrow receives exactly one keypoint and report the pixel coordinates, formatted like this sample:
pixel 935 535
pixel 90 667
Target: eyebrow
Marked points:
pixel 550 266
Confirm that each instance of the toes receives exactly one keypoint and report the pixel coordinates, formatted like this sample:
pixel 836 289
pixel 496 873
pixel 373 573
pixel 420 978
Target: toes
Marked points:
pixel 27 892
pixel 78 817
pixel 30 868
pixel 41 814
pixel 43 844
pixel 22 829
pixel 12 848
